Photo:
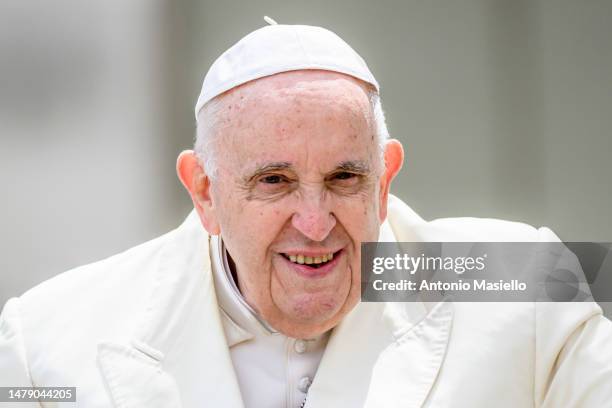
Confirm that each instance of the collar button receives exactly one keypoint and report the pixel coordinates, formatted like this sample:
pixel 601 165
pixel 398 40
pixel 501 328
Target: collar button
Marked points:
pixel 299 346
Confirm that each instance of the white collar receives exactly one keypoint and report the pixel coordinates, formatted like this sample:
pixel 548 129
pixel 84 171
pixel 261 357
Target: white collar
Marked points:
pixel 233 305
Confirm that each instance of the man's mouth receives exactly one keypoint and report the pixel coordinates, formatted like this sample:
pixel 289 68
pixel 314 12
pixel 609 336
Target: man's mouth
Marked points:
pixel 312 261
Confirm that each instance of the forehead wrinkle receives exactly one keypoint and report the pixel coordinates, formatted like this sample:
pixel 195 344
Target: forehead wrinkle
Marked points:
pixel 335 99
pixel 338 92
pixel 307 84
pixel 300 86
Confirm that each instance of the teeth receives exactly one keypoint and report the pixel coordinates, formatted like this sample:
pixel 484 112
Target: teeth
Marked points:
pixel 309 260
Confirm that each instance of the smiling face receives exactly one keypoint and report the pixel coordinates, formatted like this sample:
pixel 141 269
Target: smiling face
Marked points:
pixel 300 185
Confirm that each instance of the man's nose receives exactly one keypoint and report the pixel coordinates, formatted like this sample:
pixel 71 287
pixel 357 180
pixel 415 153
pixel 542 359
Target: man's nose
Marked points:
pixel 313 218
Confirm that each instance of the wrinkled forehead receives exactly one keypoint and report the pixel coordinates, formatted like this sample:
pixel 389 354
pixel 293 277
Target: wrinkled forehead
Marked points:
pixel 290 116
pixel 294 95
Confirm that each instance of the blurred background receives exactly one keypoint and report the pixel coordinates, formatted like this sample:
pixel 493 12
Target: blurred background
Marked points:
pixel 504 109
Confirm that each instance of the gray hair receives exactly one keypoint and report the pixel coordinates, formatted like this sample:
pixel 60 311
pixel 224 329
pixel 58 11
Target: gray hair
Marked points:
pixel 208 118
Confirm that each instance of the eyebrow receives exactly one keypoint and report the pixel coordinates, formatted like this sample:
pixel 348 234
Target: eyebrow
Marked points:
pixel 355 166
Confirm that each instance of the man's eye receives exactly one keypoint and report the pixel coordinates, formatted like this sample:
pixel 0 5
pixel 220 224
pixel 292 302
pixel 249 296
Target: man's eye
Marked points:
pixel 344 175
pixel 272 179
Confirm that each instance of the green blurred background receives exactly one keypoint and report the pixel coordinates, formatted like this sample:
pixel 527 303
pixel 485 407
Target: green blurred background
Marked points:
pixel 504 108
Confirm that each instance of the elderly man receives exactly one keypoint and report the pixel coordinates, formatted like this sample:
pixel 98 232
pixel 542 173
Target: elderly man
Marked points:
pixel 255 299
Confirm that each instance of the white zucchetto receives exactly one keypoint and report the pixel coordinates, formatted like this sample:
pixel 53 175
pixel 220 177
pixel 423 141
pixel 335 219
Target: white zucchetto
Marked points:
pixel 280 48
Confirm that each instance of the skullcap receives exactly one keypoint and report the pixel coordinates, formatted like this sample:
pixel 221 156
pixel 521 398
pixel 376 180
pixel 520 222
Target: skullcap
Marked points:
pixel 280 48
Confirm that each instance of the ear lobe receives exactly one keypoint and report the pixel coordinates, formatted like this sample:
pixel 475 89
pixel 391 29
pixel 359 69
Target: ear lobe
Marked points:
pixel 197 184
pixel 394 159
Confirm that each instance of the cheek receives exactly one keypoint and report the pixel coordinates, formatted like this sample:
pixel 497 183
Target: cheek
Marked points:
pixel 359 216
pixel 255 227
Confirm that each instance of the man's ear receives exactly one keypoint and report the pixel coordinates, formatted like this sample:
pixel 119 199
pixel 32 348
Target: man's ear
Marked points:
pixel 198 185
pixel 394 158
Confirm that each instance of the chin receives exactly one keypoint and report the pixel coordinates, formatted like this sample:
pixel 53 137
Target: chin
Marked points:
pixel 316 308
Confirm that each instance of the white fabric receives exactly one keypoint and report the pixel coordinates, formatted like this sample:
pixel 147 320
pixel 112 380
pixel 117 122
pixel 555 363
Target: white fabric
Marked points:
pixel 273 370
pixel 143 329
pixel 228 294
pixel 281 48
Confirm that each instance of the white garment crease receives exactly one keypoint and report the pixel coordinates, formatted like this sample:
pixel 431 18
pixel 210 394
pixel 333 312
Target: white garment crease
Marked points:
pixel 273 370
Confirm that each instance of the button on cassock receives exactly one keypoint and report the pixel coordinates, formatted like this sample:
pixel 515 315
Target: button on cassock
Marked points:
pixel 304 384
pixel 300 346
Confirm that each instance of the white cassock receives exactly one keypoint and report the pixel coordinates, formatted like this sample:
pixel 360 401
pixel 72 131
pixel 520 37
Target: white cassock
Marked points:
pixel 144 329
